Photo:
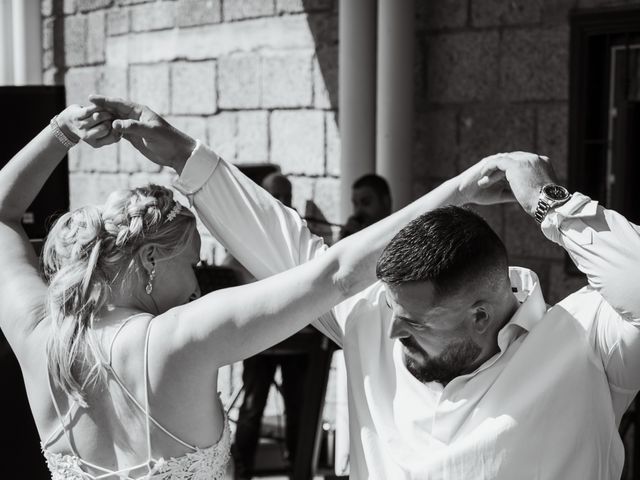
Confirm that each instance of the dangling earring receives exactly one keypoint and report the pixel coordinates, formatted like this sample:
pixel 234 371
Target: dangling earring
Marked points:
pixel 149 287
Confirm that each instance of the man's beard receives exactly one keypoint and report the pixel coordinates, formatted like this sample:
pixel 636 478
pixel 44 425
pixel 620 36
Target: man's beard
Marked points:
pixel 456 359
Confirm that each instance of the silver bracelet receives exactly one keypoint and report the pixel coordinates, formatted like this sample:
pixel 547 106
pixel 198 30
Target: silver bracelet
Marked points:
pixel 59 134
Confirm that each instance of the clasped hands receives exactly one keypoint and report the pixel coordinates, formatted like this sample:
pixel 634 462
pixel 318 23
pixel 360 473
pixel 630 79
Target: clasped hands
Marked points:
pixel 506 177
pixel 500 178
pixel 106 120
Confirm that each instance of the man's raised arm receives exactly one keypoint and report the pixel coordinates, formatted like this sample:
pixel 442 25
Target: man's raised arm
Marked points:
pixel 603 244
pixel 259 231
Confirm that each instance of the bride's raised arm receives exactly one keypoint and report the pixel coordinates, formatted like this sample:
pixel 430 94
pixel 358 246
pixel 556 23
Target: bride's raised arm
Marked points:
pixel 22 290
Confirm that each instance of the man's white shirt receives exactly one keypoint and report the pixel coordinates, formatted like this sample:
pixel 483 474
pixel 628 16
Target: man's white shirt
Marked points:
pixel 546 406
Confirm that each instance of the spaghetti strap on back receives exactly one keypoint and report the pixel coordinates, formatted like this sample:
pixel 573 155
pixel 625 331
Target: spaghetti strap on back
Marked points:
pixel 211 461
pixel 147 413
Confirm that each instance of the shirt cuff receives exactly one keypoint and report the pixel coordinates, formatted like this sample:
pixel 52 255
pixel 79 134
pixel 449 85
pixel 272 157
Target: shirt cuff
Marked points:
pixel 199 167
pixel 578 206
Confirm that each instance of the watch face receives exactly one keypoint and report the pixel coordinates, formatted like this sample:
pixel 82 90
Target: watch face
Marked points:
pixel 555 192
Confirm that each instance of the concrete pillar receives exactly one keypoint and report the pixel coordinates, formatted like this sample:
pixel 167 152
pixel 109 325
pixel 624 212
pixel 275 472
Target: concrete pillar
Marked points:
pixel 6 43
pixel 27 42
pixel 357 124
pixel 357 94
pixel 394 139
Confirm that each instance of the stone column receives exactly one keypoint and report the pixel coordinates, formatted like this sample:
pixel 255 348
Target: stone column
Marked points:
pixel 357 124
pixel 6 43
pixel 357 94
pixel 394 139
pixel 27 42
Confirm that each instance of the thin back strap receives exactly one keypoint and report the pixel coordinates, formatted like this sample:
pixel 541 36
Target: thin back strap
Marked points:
pixel 143 408
pixel 147 412
pixel 106 472
pixel 115 335
pixel 122 473
pixel 61 419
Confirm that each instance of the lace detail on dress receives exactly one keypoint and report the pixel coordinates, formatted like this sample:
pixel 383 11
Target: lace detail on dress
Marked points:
pixel 202 464
pixel 63 467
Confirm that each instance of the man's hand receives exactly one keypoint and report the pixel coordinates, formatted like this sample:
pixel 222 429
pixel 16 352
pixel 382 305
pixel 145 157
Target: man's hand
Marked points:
pixel 148 132
pixel 525 173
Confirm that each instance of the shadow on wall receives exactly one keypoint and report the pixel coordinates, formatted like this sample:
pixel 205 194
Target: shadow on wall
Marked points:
pixel 322 16
pixel 58 61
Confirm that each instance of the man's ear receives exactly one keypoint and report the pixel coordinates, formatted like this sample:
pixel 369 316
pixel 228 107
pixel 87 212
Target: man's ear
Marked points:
pixel 481 313
pixel 148 256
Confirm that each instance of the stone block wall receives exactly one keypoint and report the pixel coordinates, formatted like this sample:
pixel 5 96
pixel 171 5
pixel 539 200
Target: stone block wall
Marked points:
pixel 492 76
pixel 254 79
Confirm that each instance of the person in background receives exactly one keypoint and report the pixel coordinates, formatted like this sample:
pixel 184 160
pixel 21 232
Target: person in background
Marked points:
pixel 258 371
pixel 371 200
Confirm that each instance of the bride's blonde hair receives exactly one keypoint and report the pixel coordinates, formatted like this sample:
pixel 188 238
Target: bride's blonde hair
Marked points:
pixel 89 252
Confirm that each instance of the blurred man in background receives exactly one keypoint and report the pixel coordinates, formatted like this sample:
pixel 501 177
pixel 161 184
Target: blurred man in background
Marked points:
pixel 371 200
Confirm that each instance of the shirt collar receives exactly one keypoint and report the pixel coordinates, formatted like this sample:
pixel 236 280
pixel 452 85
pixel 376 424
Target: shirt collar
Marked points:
pixel 526 288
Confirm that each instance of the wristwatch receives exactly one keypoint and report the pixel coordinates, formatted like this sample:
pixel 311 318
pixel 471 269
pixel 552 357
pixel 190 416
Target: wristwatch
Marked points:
pixel 551 196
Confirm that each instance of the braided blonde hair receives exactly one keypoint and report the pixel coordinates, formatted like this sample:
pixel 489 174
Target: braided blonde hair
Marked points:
pixel 87 254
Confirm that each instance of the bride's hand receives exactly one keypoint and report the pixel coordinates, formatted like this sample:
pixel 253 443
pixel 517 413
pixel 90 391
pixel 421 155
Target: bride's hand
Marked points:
pixel 148 132
pixel 472 190
pixel 90 124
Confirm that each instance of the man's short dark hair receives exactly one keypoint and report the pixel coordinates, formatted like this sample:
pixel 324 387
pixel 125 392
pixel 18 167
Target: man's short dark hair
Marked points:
pixel 376 183
pixel 449 246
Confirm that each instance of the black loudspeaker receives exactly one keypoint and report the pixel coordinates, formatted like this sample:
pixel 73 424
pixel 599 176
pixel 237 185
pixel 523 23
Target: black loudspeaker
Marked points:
pixel 26 111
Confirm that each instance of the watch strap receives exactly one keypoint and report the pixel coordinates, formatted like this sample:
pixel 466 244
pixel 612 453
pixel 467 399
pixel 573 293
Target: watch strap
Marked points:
pixel 541 210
